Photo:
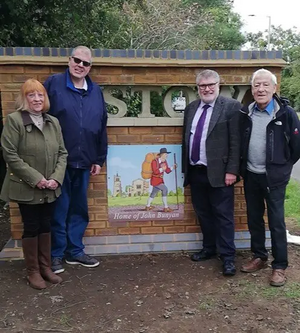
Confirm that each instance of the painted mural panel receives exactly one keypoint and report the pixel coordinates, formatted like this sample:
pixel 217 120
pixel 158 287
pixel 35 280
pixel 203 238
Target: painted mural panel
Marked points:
pixel 145 183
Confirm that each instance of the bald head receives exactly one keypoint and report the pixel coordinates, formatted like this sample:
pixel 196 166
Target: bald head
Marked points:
pixel 82 49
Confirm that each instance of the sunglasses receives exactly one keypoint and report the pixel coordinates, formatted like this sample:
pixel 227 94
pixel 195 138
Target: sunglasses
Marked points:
pixel 79 61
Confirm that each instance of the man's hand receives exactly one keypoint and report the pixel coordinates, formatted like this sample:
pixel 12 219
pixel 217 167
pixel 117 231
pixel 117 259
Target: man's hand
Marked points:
pixel 95 169
pixel 42 183
pixel 52 184
pixel 230 179
pixel 175 166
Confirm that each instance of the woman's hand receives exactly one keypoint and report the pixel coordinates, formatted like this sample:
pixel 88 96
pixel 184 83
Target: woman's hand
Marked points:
pixel 43 183
pixel 52 184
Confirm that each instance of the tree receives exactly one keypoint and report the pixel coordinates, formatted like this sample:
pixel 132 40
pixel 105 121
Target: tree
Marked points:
pixel 177 24
pixel 280 39
pixel 168 24
pixel 160 24
pixel 287 41
pixel 225 31
pixel 290 83
pixel 60 23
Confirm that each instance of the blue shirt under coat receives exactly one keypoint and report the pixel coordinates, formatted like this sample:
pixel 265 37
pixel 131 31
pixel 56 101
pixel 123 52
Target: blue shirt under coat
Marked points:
pixel 269 108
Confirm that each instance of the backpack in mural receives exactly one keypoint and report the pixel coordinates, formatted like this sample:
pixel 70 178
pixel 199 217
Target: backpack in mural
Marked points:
pixel 146 166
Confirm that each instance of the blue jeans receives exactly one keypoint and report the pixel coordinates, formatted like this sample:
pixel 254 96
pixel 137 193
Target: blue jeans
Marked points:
pixel 71 215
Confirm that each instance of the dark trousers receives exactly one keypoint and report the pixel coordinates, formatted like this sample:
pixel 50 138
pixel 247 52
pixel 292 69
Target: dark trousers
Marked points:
pixel 71 215
pixel 36 218
pixel 256 194
pixel 214 207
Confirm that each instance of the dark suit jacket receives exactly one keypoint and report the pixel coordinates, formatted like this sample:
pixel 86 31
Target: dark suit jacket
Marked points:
pixel 222 142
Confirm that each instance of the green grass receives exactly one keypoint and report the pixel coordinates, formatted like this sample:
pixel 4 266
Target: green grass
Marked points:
pixel 291 291
pixel 138 201
pixel 65 320
pixel 292 200
pixel 206 304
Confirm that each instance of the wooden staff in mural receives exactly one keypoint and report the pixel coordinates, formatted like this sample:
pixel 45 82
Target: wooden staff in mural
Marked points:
pixel 176 185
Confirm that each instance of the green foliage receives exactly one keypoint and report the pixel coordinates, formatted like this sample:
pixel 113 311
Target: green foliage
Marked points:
pixel 292 200
pixel 132 99
pixel 224 33
pixel 179 191
pixel 280 39
pixel 290 83
pixel 60 23
pixel 288 41
pixel 168 24
pixel 156 103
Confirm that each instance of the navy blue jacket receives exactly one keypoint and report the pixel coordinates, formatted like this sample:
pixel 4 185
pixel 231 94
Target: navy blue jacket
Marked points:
pixel 282 143
pixel 82 117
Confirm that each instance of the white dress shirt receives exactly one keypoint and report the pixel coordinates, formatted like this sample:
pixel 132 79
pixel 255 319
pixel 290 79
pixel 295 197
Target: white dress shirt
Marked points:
pixel 203 159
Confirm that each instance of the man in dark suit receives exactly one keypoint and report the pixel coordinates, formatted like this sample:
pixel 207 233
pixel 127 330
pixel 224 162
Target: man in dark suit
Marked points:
pixel 210 160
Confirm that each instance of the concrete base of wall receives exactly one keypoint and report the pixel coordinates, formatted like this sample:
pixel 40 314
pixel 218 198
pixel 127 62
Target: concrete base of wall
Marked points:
pixel 136 244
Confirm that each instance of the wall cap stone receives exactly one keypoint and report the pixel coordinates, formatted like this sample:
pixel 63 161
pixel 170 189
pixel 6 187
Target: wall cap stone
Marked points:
pixel 126 58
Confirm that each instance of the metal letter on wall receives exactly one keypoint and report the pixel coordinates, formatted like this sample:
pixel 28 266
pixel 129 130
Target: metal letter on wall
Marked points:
pixel 145 99
pixel 238 92
pixel 120 105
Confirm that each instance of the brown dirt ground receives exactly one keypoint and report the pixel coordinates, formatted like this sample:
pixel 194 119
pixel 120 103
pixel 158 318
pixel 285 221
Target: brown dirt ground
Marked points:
pixel 165 293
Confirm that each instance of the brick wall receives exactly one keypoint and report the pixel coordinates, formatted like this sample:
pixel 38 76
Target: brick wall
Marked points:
pixel 17 65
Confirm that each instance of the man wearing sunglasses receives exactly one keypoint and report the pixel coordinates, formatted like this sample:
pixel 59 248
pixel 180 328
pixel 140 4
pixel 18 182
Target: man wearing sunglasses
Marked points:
pixel 79 105
pixel 210 160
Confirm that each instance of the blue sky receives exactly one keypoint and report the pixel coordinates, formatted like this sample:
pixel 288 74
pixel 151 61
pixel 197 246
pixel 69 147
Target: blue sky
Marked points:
pixel 127 162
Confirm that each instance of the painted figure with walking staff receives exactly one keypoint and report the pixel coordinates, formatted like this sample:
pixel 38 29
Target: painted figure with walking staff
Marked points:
pixel 159 166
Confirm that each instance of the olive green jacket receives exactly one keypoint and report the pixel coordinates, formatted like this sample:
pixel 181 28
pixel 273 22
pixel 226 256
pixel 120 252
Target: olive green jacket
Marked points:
pixel 32 154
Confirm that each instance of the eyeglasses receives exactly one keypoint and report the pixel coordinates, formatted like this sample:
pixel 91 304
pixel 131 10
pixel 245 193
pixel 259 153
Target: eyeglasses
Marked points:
pixel 79 61
pixel 209 86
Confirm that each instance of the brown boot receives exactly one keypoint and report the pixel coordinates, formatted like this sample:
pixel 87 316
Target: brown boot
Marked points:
pixel 30 250
pixel 278 278
pixel 254 265
pixel 45 259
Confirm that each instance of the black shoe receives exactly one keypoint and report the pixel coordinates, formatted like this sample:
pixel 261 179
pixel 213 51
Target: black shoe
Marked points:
pixel 56 265
pixel 229 268
pixel 202 255
pixel 83 260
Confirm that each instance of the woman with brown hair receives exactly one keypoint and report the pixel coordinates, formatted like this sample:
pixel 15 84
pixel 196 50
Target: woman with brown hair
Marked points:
pixel 35 154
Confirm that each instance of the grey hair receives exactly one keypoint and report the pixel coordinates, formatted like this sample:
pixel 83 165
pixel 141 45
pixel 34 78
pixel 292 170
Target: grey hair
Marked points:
pixel 208 73
pixel 264 71
pixel 85 49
